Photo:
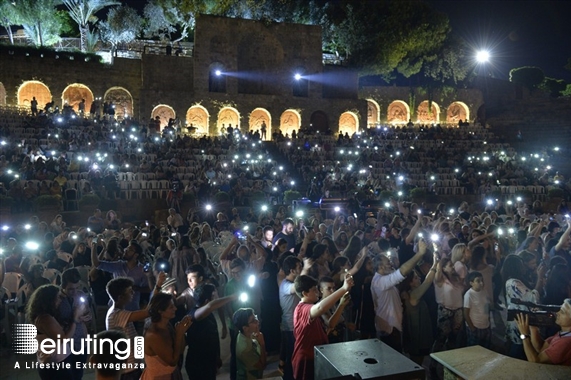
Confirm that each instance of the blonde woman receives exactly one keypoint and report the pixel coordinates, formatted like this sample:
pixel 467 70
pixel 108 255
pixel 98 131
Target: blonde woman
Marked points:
pixel 460 257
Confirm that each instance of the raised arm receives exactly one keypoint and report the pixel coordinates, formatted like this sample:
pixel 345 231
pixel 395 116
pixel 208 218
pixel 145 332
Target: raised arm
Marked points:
pixel 564 237
pixel 170 354
pixel 359 263
pixel 206 310
pixel 327 303
pixel 414 230
pixel 478 239
pixel 408 266
pixel 417 293
pixel 334 319
pixel 233 243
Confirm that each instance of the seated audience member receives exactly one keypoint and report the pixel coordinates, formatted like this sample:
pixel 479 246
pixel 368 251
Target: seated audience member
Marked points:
pixel 555 349
pixel 250 345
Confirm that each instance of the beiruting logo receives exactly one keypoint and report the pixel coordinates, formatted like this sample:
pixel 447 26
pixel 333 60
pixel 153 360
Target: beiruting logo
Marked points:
pixel 25 342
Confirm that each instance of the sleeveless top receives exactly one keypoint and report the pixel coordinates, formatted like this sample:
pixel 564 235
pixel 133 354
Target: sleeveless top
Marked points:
pixel 53 357
pixel 156 369
pixel 449 295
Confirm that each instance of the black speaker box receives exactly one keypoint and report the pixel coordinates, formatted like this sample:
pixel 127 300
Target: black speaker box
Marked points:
pixel 363 359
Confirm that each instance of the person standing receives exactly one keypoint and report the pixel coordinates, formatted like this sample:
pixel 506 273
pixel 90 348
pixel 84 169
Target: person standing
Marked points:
pixel 250 345
pixel 34 106
pixel 386 297
pixel 164 344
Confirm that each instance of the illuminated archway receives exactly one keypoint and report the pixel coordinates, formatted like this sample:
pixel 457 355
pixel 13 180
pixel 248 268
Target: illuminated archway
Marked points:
pixel 423 116
pixel 398 112
pixel 259 117
pixel 122 100
pixel 290 121
pixel 457 111
pixel 348 123
pixel 373 112
pixel 228 116
pixel 32 88
pixel 2 94
pixel 164 112
pixel 73 94
pixel 197 116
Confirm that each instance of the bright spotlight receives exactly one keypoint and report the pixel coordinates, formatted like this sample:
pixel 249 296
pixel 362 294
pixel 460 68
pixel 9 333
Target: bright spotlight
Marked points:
pixel 208 207
pixel 483 56
pixel 297 76
pixel 218 73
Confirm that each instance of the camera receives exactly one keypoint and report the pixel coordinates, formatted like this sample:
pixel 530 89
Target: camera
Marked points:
pixel 540 316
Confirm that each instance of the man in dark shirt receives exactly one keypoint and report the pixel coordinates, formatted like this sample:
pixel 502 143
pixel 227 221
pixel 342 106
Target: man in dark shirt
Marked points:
pixel 287 234
pixel 95 222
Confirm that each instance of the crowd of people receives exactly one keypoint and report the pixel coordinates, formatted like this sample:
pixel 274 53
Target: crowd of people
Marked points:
pixel 278 280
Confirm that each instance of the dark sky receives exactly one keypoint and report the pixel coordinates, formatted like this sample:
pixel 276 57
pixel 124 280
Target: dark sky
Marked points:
pixel 517 33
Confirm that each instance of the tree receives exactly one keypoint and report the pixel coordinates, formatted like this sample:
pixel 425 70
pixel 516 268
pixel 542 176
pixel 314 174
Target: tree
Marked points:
pixel 555 86
pixel 8 17
pixel 528 76
pixel 123 25
pixel 83 12
pixel 173 15
pixel 40 19
pixel 449 64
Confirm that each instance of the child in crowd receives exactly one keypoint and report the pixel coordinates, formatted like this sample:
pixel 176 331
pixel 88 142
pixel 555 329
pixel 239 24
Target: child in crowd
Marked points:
pixel 308 326
pixel 476 312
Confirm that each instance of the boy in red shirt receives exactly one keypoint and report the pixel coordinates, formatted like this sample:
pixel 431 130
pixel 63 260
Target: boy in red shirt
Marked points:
pixel 309 329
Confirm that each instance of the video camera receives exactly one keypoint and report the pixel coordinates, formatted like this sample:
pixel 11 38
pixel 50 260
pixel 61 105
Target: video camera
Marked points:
pixel 540 316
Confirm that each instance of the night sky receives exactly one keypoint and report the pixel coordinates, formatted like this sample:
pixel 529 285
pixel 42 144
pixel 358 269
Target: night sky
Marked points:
pixel 517 33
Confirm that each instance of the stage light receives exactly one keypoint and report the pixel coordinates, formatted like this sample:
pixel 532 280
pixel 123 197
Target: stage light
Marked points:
pixel 297 76
pixel 483 56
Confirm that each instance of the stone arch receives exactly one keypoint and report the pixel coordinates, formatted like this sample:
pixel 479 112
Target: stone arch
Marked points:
pixel 164 112
pixel 348 123
pixel 2 94
pixel 373 112
pixel 398 112
pixel 197 116
pixel 290 121
pixel 319 121
pixel 32 88
pixel 423 116
pixel 228 116
pixel 259 116
pixel 457 111
pixel 122 100
pixel 73 94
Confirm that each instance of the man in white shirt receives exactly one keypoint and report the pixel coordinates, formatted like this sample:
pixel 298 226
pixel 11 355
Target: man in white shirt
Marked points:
pixel 386 297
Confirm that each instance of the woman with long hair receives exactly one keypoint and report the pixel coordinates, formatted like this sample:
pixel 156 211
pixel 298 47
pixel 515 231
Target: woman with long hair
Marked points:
pixel 42 312
pixel 517 287
pixel 417 322
pixel 353 248
pixel 448 288
pixel 164 344
pixel 460 258
pixel 341 241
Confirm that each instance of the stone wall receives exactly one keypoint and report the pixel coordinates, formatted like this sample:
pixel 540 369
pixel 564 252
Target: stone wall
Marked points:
pixel 385 95
pixel 58 73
